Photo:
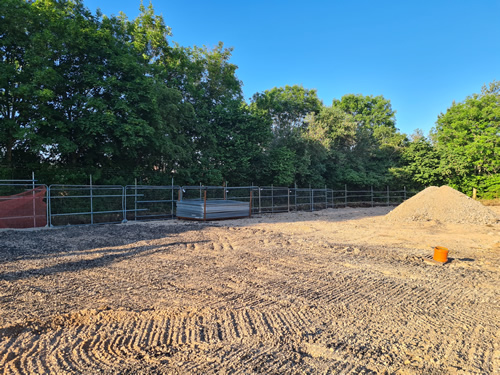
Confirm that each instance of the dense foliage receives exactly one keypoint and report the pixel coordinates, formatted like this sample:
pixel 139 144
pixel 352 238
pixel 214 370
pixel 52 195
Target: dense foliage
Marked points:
pixel 82 93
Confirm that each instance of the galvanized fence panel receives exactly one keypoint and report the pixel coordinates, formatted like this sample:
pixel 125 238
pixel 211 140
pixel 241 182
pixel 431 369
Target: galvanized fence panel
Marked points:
pixel 93 204
pixel 273 199
pixel 23 204
pixel 86 204
pixel 143 202
pixel 344 198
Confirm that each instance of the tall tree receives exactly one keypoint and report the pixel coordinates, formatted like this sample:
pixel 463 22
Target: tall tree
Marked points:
pixel 287 107
pixel 468 139
pixel 288 157
pixel 378 142
pixel 17 27
pixel 420 163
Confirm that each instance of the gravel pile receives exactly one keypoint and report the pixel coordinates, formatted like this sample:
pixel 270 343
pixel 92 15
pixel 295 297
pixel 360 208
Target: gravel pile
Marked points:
pixel 443 204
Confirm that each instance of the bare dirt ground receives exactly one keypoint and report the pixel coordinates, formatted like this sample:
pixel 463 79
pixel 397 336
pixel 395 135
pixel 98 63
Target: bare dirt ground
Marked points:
pixel 328 292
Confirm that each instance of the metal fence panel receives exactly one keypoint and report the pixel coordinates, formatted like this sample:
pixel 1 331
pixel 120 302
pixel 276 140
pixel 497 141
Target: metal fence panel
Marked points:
pixel 85 204
pixel 23 204
pixel 143 202
pixel 274 199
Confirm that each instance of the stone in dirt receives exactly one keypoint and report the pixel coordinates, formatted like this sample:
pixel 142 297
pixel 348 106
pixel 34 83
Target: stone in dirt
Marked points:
pixel 443 204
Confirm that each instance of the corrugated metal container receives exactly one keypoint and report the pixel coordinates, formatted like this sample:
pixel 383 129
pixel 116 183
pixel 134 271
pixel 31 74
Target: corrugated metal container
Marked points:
pixel 199 209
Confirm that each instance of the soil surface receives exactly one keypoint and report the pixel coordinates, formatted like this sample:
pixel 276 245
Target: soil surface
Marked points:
pixel 327 292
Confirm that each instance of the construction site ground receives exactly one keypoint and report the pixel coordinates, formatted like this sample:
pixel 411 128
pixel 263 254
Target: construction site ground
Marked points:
pixel 327 292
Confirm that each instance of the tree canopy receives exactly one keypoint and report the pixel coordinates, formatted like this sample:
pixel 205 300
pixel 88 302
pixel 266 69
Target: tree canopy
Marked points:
pixel 82 93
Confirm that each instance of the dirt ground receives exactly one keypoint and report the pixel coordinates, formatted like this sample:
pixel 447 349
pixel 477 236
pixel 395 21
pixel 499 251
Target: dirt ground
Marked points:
pixel 328 292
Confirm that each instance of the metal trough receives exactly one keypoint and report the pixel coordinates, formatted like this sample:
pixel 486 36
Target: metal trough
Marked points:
pixel 203 209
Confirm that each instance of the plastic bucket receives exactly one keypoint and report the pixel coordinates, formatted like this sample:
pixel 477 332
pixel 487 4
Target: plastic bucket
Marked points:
pixel 440 254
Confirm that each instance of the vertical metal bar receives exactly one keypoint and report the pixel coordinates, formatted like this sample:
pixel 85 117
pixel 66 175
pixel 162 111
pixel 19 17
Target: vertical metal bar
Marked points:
pixel 288 198
pixel 49 207
pixel 200 190
pixel 91 203
pixel 172 203
pixel 260 202
pixel 135 201
pixel 326 198
pixel 371 193
pixel 124 203
pixel 272 199
pixel 387 194
pixel 312 199
pixel 345 196
pixel 250 209
pixel 34 207
pixel 205 206
pixel 295 194
pixel 404 189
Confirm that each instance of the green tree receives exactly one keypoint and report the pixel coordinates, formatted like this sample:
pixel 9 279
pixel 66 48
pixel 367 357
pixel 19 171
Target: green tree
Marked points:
pixel 287 107
pixel 378 143
pixel 17 47
pixel 468 139
pixel 420 163
pixel 332 133
pixel 288 157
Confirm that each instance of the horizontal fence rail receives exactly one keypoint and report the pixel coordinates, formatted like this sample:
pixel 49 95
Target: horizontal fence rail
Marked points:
pixel 23 204
pixel 86 204
pixel 57 205
pixel 143 202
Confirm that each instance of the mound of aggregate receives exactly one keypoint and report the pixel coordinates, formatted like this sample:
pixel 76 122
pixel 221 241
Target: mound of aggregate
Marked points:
pixel 443 204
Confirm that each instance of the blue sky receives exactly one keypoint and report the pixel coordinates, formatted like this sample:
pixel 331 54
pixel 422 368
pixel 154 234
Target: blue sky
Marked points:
pixel 421 55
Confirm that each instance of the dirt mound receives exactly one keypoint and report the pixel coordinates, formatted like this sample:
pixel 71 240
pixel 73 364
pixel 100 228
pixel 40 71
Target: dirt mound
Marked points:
pixel 444 204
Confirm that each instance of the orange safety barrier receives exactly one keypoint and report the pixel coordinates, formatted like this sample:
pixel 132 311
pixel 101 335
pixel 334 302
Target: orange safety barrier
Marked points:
pixel 24 210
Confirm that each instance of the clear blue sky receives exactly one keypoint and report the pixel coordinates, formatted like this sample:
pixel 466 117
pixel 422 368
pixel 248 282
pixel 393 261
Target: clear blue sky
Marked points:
pixel 421 55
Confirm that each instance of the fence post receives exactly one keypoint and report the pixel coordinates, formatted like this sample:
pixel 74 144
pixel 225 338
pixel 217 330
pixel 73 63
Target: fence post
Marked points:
pixel 387 194
pixel 288 198
pixel 345 195
pixel 250 205
pixel 272 199
pixel 91 203
pixel 204 205
pixel 260 203
pixel 311 198
pixel 33 193
pixel 326 198
pixel 371 192
pixel 295 195
pixel 124 204
pixel 135 201
pixel 49 207
pixel 404 190
pixel 172 203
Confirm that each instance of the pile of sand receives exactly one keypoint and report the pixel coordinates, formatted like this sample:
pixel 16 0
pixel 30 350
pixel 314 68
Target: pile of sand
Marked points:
pixel 443 204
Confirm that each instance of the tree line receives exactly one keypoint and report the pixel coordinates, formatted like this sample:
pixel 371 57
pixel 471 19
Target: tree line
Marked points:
pixel 83 93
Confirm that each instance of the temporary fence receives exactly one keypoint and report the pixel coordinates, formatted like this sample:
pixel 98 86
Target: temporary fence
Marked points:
pixel 22 204
pixel 144 202
pixel 86 204
pixel 39 205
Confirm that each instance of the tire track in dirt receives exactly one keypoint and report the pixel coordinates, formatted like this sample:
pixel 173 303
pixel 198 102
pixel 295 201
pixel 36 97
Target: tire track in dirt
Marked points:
pixel 243 301
pixel 109 340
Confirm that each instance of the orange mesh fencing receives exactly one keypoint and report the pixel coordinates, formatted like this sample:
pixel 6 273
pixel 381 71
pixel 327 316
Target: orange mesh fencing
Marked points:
pixel 24 210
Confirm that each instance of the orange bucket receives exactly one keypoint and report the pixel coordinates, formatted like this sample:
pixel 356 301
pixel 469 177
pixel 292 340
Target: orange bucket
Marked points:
pixel 440 254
